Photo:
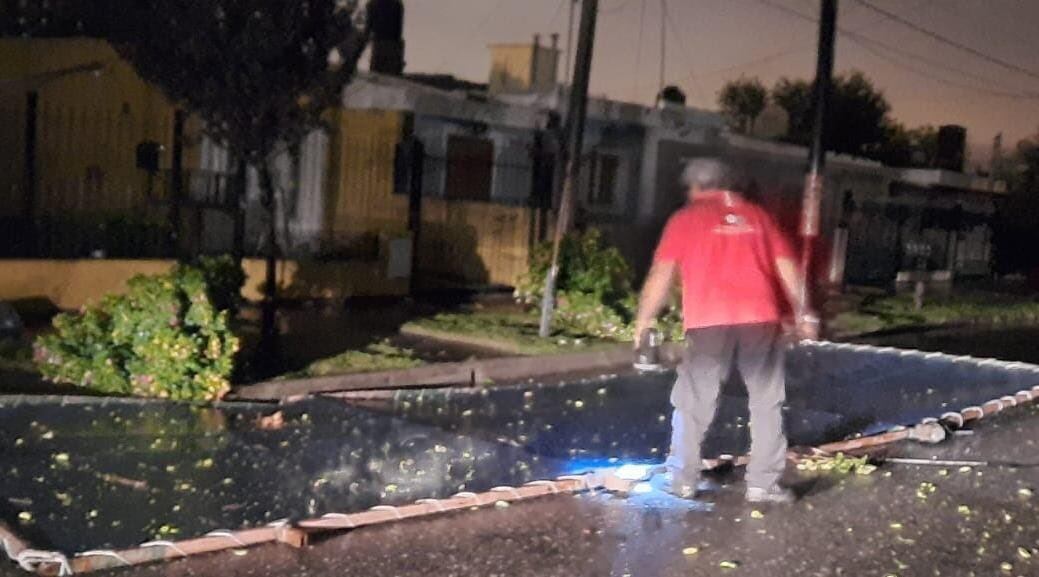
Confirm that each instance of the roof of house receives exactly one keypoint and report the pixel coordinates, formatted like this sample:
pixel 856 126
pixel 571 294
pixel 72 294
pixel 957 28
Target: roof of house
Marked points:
pixel 947 179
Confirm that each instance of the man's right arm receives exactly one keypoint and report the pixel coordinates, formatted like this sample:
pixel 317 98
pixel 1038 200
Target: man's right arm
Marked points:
pixel 655 293
pixel 792 281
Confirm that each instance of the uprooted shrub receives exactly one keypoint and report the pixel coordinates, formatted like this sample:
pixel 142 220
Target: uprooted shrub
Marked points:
pixel 162 338
pixel 224 280
pixel 593 292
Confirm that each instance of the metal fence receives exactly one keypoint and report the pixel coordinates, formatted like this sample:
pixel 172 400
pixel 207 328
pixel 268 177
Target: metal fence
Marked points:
pixel 75 236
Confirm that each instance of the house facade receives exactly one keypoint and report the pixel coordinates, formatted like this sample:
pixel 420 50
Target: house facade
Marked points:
pixel 485 179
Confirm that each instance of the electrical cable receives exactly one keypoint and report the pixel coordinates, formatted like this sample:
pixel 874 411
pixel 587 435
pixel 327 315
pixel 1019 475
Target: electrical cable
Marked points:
pixel 944 40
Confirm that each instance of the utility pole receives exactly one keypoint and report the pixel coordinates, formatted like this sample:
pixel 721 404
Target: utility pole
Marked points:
pixel 576 112
pixel 177 185
pixel 663 50
pixel 570 39
pixel 813 190
pixel 32 102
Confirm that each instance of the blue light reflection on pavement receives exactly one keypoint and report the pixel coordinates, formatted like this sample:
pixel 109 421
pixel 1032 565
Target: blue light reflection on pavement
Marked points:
pixel 628 469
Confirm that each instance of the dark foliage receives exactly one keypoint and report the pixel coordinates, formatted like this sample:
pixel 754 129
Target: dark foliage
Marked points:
pixel 742 102
pixel 858 113
pixel 1016 234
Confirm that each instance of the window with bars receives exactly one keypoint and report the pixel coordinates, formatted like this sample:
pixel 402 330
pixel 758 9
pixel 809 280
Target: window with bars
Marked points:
pixel 470 168
pixel 603 174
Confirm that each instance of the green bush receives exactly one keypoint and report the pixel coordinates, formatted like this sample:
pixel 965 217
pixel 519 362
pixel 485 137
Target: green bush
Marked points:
pixel 163 338
pixel 224 281
pixel 594 292
pixel 586 266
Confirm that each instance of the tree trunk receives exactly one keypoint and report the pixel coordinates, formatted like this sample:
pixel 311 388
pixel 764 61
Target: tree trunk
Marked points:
pixel 268 348
pixel 239 187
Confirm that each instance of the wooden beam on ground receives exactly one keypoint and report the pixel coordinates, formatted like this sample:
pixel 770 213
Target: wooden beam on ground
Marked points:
pixel 11 542
pixel 465 373
pixel 297 535
pixel 169 550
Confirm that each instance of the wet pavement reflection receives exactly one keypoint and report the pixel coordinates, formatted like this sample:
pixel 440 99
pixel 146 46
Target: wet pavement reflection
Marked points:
pixel 831 393
pixel 92 475
pixel 105 474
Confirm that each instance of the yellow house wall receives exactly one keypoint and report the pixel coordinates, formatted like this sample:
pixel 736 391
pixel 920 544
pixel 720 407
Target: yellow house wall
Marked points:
pixel 88 127
pixel 476 242
pixel 14 57
pixel 472 242
pixel 360 195
pixel 510 67
pixel 70 284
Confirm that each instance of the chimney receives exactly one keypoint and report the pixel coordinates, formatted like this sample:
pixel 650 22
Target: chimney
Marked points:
pixel 534 56
pixel 553 60
pixel 385 22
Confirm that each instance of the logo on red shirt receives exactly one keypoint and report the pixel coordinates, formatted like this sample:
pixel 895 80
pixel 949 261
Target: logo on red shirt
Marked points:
pixel 733 223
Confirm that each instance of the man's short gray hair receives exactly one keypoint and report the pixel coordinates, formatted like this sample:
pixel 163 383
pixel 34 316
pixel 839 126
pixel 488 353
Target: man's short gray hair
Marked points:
pixel 707 173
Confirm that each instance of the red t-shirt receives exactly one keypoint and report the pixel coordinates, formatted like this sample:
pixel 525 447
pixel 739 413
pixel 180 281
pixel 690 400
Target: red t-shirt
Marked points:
pixel 726 248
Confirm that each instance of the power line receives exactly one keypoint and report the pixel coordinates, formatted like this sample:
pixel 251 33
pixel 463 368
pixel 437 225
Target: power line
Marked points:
pixel 946 81
pixel 798 47
pixel 618 8
pixel 882 19
pixel 1004 27
pixel 948 41
pixel 685 52
pixel 790 49
pixel 862 41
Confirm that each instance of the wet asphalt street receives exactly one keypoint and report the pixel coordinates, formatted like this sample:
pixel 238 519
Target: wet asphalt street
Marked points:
pixel 900 521
pixel 976 521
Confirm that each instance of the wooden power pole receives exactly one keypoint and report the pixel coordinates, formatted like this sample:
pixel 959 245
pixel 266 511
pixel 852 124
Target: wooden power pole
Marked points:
pixel 813 190
pixel 576 112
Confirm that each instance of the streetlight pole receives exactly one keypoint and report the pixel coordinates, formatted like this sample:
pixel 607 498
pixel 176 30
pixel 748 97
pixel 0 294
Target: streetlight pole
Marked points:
pixel 570 39
pixel 576 111
pixel 663 50
pixel 813 190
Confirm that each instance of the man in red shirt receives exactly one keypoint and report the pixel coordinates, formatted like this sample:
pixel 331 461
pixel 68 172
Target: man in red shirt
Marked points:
pixel 735 268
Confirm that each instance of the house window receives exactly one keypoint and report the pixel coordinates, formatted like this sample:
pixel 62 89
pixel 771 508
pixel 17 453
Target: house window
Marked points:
pixel 602 181
pixel 470 168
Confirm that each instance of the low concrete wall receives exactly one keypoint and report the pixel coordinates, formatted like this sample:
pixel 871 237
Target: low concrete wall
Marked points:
pixel 70 284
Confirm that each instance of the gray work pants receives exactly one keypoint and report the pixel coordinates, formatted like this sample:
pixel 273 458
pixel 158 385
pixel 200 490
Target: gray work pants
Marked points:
pixel 710 354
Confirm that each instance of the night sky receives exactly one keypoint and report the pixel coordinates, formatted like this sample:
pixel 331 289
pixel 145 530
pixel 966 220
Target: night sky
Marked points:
pixel 713 41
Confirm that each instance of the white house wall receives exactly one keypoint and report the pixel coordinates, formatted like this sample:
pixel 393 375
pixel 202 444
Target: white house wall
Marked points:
pixel 299 206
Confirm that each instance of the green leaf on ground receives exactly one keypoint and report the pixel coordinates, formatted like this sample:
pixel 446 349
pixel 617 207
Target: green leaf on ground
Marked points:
pixel 380 356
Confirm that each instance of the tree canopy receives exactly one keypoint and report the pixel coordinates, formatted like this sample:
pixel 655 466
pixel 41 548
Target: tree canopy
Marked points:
pixel 742 102
pixel 858 116
pixel 261 74
pixel 903 146
pixel 1016 235
pixel 859 120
